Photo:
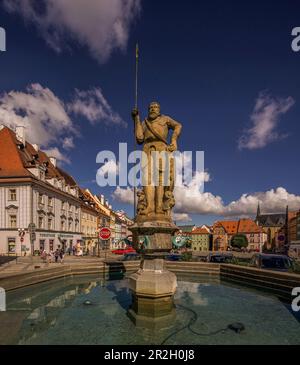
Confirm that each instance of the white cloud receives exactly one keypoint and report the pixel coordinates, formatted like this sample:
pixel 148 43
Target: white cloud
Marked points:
pixel 42 113
pixel 54 152
pixel 68 143
pixel 181 217
pixel 271 201
pixel 265 118
pixel 47 118
pixel 123 195
pixel 94 107
pixel 190 198
pixel 101 25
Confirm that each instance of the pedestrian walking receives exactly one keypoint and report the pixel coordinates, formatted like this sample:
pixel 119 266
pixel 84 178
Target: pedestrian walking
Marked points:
pixel 56 254
pixel 61 255
pixel 44 256
pixel 51 254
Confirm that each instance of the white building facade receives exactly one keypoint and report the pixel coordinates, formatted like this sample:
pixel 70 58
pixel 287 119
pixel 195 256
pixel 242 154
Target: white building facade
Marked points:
pixel 33 190
pixel 56 216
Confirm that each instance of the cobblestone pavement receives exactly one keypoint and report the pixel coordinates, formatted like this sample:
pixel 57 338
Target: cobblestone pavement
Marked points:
pixel 29 263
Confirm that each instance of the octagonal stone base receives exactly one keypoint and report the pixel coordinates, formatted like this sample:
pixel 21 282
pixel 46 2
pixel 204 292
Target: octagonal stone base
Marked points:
pixel 153 288
pixel 153 323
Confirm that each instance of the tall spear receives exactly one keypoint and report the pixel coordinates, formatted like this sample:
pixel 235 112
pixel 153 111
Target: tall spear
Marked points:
pixel 136 105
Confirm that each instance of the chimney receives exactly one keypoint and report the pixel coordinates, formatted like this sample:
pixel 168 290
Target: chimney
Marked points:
pixel 53 161
pixel 110 207
pixel 102 199
pixel 20 134
pixel 106 202
pixel 36 147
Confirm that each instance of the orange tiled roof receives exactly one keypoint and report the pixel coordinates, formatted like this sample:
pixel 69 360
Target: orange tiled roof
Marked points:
pixel 230 227
pixel 15 161
pixel 11 162
pixel 240 226
pixel 199 230
pixel 248 226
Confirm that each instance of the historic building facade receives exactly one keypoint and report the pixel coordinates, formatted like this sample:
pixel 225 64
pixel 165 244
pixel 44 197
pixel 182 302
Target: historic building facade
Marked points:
pixel 200 239
pixel 33 190
pixel 277 228
pixel 224 231
pixel 89 223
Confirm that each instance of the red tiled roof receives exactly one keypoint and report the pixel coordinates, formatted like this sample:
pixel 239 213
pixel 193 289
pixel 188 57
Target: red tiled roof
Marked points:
pixel 11 161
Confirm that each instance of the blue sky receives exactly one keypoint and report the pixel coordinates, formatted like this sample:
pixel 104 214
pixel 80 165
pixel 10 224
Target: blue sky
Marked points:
pixel 208 64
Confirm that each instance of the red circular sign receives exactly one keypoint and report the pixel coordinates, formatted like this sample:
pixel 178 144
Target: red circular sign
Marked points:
pixel 104 233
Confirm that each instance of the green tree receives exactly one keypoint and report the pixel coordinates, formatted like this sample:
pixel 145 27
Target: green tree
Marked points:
pixel 239 241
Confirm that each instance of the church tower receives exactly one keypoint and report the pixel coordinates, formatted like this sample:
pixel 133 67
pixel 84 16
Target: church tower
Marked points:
pixel 257 214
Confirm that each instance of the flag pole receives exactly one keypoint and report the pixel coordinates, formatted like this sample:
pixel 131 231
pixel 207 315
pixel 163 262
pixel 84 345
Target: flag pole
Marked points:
pixel 136 105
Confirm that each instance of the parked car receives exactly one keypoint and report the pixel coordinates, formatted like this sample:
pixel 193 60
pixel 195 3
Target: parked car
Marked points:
pixel 271 262
pixel 123 251
pixel 131 257
pixel 219 257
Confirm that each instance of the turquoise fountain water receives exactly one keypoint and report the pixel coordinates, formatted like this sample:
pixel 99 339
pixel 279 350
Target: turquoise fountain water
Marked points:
pixel 93 310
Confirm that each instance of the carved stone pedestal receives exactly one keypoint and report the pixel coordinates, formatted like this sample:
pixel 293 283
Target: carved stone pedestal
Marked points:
pixel 153 288
pixel 156 234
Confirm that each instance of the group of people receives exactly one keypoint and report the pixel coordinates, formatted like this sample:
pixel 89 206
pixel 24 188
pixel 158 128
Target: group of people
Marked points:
pixel 75 251
pixel 59 254
pixel 53 256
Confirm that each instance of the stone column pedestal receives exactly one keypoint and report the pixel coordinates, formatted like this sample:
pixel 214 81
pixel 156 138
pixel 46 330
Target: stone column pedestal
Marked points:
pixel 156 235
pixel 153 288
